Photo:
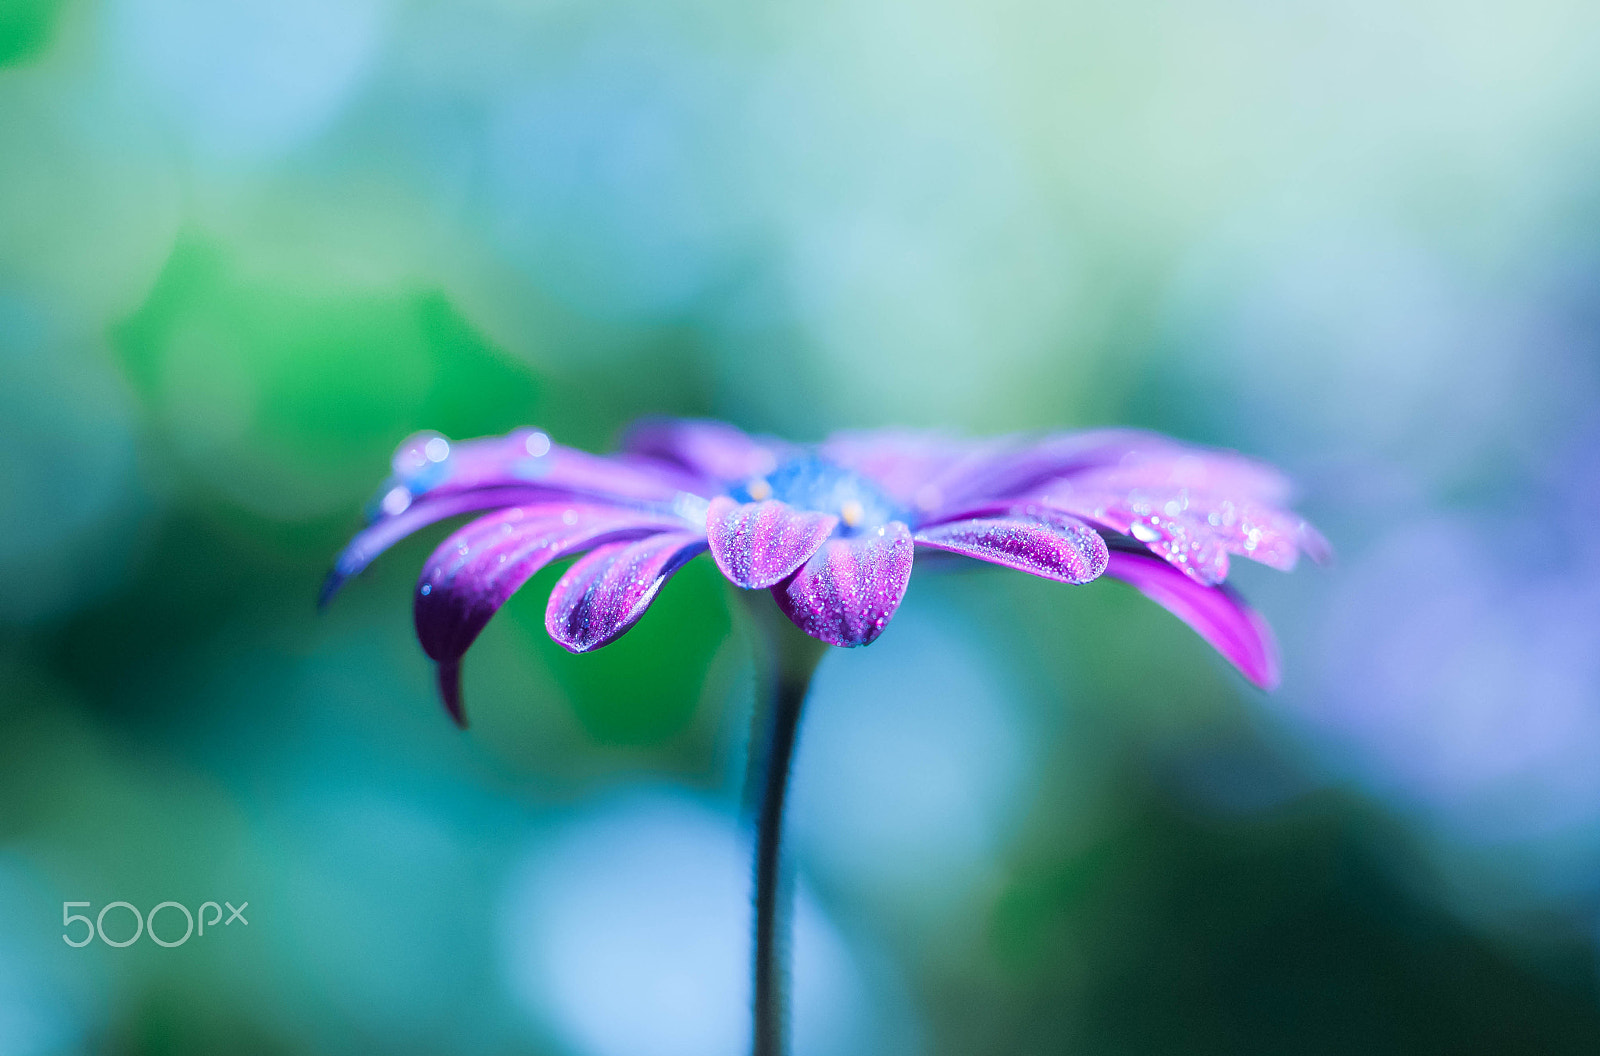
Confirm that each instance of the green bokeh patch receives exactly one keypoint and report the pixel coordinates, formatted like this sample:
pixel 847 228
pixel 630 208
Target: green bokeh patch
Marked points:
pixel 643 688
pixel 289 399
pixel 26 27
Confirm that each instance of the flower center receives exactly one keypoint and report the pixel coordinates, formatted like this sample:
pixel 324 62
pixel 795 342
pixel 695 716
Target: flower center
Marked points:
pixel 807 482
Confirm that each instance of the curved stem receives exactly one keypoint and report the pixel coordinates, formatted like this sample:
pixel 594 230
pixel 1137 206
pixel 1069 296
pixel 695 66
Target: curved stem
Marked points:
pixel 790 658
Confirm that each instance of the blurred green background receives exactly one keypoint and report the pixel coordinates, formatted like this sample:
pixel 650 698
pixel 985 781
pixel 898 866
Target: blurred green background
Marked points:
pixel 247 247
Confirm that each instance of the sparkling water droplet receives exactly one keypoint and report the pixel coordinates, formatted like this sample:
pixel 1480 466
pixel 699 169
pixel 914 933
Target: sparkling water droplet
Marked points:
pixel 396 500
pixel 538 445
pixel 437 449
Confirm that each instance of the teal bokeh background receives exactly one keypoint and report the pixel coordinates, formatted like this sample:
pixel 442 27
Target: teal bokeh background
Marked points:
pixel 246 248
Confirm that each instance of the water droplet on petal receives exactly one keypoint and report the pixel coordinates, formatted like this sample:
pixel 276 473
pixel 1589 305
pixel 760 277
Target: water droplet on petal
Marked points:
pixel 396 500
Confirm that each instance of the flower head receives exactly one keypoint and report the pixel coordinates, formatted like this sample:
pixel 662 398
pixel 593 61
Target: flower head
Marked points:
pixel 830 529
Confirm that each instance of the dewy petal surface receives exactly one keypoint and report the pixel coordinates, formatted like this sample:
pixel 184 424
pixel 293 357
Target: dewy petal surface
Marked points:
pixel 1192 506
pixel 1216 613
pixel 377 537
pixel 712 450
pixel 758 544
pixel 606 592
pixel 1040 541
pixel 473 572
pixel 845 594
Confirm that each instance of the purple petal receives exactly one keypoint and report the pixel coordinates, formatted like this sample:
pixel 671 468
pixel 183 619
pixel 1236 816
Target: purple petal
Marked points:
pixel 474 571
pixel 1191 506
pixel 943 478
pixel 713 451
pixel 1217 614
pixel 1187 542
pixel 922 471
pixel 1135 458
pixel 899 461
pixel 757 544
pixel 1032 539
pixel 430 464
pixel 606 592
pixel 947 478
pixel 1314 544
pixel 1195 531
pixel 384 533
pixel 848 590
pixel 449 678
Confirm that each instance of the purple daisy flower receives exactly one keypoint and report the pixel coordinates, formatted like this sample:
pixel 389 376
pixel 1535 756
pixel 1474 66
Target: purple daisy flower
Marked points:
pixel 830 530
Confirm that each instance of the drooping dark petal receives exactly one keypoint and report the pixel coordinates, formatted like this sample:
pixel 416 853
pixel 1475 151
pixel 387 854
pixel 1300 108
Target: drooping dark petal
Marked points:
pixel 1216 613
pixel 1030 539
pixel 474 571
pixel 388 530
pixel 845 594
pixel 713 451
pixel 757 544
pixel 606 591
pixel 448 673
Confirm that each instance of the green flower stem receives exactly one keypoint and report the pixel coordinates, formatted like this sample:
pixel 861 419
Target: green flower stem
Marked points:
pixel 788 661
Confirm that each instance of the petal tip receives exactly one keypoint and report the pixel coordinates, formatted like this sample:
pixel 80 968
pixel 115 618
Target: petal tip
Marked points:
pixel 1217 613
pixel 1264 667
pixel 1315 544
pixel 1266 682
pixel 1032 539
pixel 605 593
pixel 449 675
pixel 847 592
pixel 330 586
pixel 757 545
